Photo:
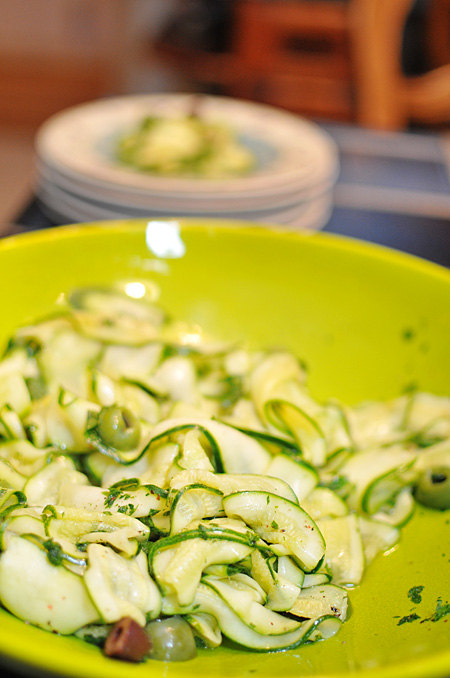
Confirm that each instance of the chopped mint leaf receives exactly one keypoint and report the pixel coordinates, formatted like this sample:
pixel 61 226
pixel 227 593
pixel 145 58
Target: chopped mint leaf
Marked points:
pixel 415 594
pixel 408 619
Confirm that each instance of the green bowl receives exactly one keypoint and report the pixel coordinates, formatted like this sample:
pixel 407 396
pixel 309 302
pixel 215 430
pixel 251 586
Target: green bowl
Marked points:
pixel 369 323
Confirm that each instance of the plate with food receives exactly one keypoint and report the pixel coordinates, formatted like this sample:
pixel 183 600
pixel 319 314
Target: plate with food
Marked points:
pixel 224 450
pixel 202 153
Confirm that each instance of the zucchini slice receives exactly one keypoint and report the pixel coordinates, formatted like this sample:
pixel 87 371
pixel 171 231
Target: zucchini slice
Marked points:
pixel 11 500
pixel 377 537
pixel 14 393
pixel 321 600
pixel 229 483
pixel 344 553
pixel 11 426
pixel 193 503
pixel 64 359
pixel 279 521
pixel 111 302
pixel 288 569
pixel 130 362
pixel 370 472
pixel 44 487
pixel 273 378
pixel 281 592
pixel 178 568
pixel 121 587
pixel 124 497
pixel 75 524
pixel 399 511
pixel 46 595
pixel 233 451
pixel 211 601
pixel 205 627
pixel 303 428
pixel 113 317
pixel 324 503
pixel 302 477
pixel 24 457
pixel 258 617
pixel 9 477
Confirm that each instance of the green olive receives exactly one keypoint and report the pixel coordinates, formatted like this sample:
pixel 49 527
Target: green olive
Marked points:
pixel 118 427
pixel 433 488
pixel 172 640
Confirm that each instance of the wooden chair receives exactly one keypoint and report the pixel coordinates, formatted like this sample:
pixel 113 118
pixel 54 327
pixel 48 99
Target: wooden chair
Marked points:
pixel 295 54
pixel 342 59
pixel 385 97
pixel 332 59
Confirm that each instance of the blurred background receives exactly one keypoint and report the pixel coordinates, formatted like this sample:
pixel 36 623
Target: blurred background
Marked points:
pixel 377 64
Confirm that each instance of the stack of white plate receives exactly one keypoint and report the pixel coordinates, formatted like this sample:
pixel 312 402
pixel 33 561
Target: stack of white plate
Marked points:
pixel 80 179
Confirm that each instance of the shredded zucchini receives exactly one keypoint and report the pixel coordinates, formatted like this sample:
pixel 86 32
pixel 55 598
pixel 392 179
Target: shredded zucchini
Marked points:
pixel 217 488
pixel 185 146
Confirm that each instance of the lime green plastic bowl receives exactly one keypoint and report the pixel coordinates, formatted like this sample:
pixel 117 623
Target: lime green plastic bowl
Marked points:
pixel 368 322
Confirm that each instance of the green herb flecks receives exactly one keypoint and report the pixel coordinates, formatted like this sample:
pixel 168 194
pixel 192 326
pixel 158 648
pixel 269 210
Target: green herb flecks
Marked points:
pixel 232 390
pixel 408 334
pixel 442 610
pixel 339 484
pixel 54 552
pixel 408 619
pixel 415 594
pixel 111 496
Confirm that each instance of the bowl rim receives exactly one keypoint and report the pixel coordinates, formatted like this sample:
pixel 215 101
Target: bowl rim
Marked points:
pixel 325 239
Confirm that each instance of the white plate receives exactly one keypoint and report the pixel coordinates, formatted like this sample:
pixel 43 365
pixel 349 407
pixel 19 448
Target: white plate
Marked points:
pixel 189 204
pixel 66 207
pixel 79 143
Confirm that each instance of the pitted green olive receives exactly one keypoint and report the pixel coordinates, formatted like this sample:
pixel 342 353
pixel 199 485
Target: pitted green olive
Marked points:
pixel 172 640
pixel 119 427
pixel 433 488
